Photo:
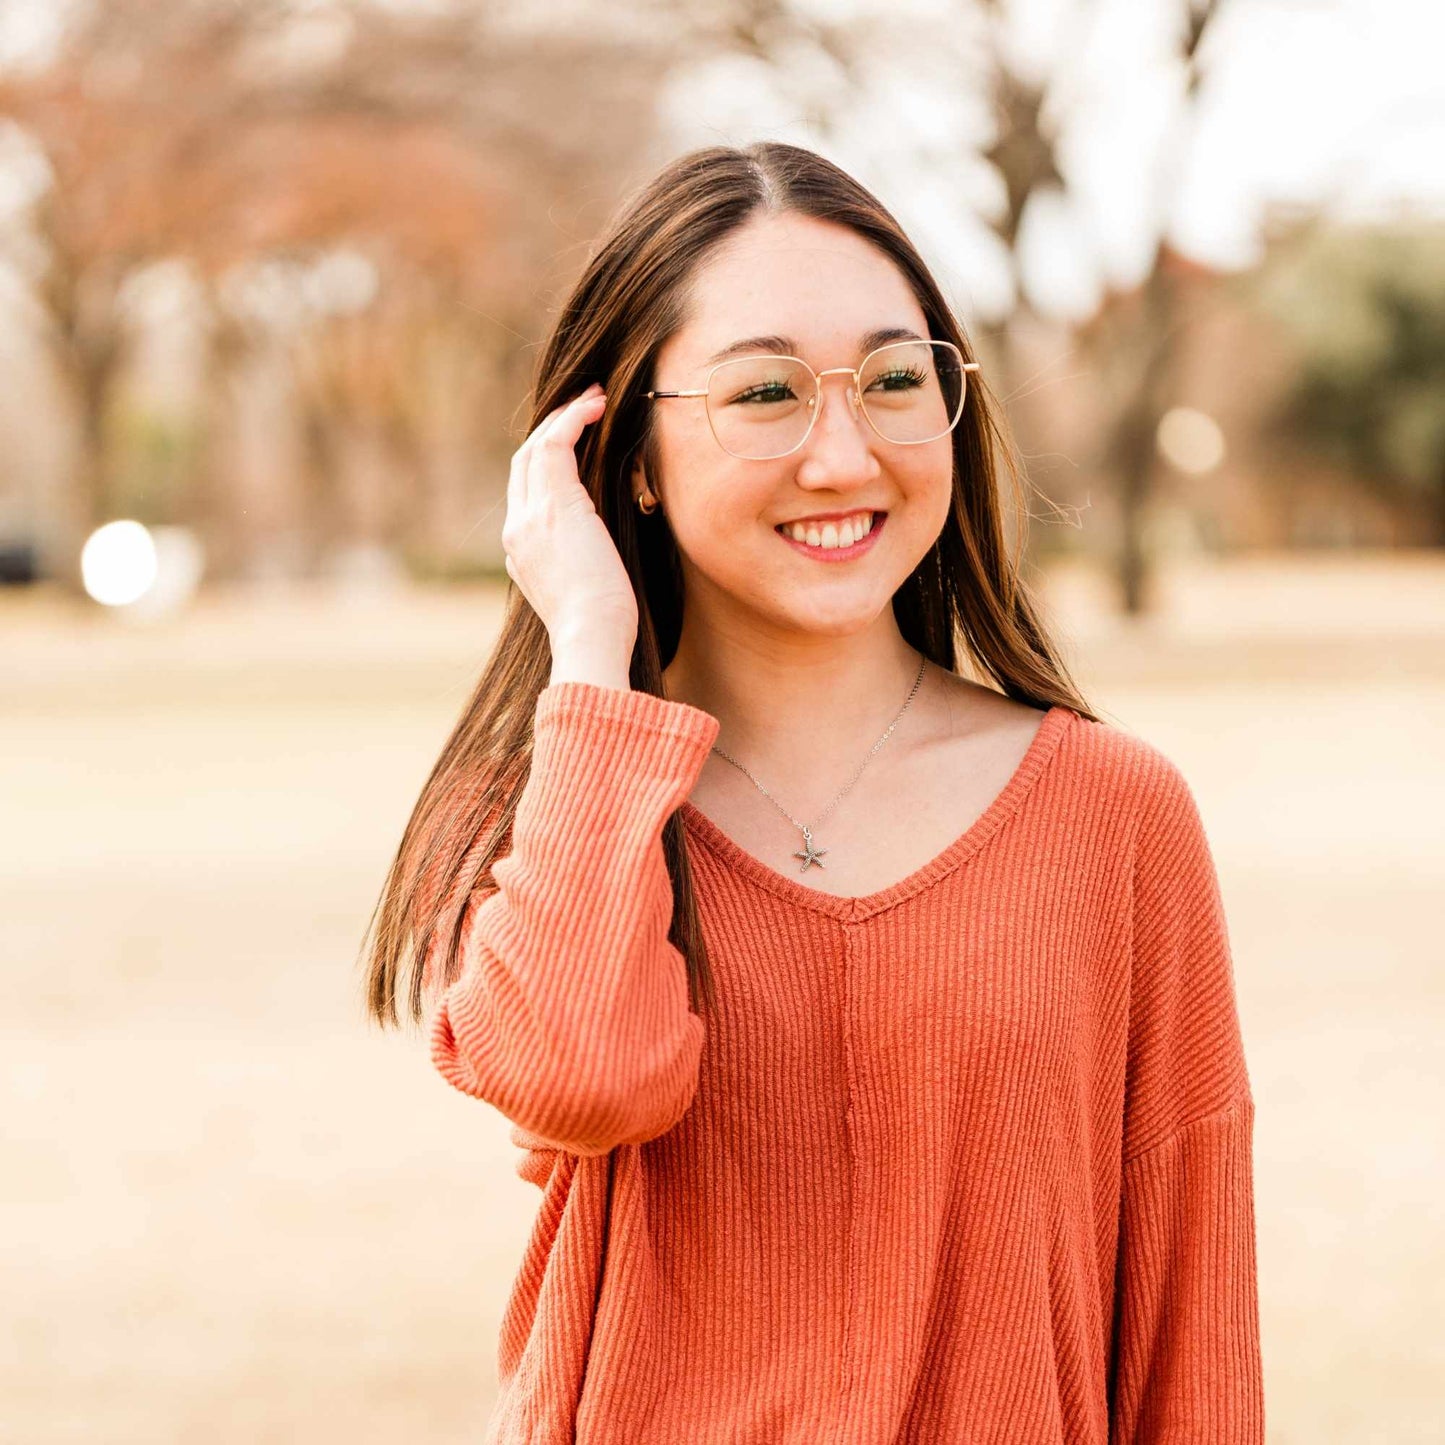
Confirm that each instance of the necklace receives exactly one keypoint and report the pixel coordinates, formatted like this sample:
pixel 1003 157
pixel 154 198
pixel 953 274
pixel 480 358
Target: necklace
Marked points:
pixel 810 854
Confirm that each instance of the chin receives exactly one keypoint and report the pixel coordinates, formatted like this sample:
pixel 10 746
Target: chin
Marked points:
pixel 840 622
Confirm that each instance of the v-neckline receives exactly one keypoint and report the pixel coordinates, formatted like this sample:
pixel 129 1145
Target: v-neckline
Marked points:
pixel 1041 748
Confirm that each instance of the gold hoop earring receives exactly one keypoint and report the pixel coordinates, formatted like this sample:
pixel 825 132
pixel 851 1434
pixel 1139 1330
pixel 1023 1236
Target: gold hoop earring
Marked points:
pixel 644 508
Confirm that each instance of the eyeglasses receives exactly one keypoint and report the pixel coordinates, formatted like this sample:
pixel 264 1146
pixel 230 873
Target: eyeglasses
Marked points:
pixel 763 407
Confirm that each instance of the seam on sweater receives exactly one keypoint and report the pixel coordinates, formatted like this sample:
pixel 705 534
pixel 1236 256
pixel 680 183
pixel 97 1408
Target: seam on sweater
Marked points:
pixel 1221 1112
pixel 1236 1105
pixel 850 1289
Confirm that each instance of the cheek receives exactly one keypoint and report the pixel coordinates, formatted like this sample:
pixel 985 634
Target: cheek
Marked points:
pixel 926 496
pixel 717 517
pixel 719 531
pixel 717 500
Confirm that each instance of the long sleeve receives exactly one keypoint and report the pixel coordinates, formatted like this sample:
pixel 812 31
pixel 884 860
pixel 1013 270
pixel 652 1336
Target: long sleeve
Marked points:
pixel 571 1012
pixel 1186 1359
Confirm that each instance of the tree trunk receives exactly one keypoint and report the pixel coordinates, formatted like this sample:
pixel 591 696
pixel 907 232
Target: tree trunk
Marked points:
pixel 1149 370
pixel 82 493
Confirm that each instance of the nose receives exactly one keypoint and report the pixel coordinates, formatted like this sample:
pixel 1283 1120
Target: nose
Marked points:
pixel 839 448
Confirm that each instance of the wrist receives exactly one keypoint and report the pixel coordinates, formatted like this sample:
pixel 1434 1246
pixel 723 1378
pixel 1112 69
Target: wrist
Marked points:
pixel 592 655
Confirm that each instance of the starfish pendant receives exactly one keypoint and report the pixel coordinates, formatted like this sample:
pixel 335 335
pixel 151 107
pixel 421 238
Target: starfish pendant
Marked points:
pixel 812 855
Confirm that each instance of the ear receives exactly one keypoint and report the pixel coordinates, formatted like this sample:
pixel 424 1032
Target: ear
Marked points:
pixel 637 481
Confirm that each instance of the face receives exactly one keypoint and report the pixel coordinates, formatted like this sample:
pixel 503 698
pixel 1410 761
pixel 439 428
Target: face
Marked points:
pixel 824 288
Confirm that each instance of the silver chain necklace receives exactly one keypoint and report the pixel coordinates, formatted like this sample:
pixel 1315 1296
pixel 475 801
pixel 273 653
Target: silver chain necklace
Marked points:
pixel 810 854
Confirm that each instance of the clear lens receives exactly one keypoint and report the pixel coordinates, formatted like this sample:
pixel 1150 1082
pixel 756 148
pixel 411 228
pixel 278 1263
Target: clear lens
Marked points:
pixel 913 390
pixel 760 406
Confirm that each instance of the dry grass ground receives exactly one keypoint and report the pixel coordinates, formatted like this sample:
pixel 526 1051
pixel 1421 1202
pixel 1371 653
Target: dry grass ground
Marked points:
pixel 231 1211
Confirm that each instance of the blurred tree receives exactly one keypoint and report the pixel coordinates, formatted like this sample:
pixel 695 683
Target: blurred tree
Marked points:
pixel 127 113
pixel 1131 340
pixel 425 144
pixel 1366 308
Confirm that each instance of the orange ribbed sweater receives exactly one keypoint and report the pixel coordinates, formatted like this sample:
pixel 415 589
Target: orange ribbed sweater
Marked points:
pixel 965 1159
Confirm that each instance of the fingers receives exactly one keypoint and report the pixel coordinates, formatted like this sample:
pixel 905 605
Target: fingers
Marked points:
pixel 557 551
pixel 517 476
pixel 550 450
pixel 585 407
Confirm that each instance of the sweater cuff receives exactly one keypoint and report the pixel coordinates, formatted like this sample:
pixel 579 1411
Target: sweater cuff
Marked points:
pixel 596 703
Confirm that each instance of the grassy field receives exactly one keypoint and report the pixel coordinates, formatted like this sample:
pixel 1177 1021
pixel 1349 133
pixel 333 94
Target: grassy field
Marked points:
pixel 233 1211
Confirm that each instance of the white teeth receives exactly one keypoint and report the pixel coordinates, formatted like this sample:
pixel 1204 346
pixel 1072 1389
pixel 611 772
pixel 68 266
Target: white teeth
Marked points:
pixel 832 534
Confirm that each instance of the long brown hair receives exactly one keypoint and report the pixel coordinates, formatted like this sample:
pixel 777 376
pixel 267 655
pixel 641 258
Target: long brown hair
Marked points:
pixel 965 603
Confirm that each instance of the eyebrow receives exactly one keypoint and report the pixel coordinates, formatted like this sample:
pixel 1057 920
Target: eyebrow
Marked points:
pixel 785 345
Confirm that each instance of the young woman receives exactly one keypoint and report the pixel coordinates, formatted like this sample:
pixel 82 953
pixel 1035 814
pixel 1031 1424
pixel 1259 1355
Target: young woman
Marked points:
pixel 870 1030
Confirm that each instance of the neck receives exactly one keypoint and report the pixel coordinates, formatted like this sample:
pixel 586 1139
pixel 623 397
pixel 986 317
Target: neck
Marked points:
pixel 802 712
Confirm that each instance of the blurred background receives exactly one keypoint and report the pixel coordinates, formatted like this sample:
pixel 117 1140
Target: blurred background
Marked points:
pixel 273 280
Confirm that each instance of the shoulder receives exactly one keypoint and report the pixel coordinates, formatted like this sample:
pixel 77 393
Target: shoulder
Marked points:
pixel 974 711
pixel 1135 762
pixel 1105 766
pixel 1162 826
pixel 1121 784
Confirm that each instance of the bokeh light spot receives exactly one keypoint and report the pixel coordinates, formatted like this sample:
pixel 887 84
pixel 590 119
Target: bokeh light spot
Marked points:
pixel 118 563
pixel 1190 439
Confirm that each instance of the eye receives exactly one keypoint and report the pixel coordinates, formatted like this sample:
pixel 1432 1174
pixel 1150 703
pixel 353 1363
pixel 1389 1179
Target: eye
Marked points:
pixel 909 376
pixel 766 392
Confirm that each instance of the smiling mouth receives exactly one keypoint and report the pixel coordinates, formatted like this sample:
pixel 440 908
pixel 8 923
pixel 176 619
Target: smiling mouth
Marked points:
pixel 817 549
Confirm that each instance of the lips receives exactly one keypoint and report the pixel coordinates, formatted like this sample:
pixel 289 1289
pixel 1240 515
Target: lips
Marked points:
pixel 817 527
pixel 837 554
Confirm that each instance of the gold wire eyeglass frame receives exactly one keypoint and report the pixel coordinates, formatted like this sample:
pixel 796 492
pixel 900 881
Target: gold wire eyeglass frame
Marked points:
pixel 855 394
